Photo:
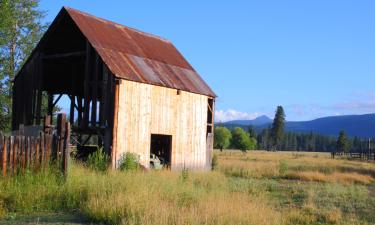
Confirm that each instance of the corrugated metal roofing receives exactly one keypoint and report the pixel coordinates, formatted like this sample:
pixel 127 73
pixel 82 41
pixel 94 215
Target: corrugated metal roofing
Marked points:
pixel 137 56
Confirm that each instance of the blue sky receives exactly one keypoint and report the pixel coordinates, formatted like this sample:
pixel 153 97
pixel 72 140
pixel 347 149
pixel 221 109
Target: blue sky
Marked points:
pixel 315 58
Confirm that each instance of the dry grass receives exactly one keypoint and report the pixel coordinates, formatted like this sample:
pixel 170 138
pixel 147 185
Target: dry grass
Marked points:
pixel 303 166
pixel 253 188
pixel 336 177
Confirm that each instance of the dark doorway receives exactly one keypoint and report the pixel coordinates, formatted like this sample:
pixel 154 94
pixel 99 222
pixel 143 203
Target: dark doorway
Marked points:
pixel 161 146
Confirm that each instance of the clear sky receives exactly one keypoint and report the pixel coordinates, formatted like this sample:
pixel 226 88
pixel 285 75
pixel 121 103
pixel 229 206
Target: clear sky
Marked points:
pixel 315 58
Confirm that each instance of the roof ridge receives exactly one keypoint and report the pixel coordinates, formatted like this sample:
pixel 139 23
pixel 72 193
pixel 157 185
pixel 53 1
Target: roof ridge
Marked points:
pixel 118 24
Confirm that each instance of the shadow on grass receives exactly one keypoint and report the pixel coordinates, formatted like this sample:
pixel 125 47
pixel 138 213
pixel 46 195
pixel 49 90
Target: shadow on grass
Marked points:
pixel 47 218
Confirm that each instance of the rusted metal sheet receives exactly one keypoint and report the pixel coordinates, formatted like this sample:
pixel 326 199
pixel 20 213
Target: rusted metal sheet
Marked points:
pixel 137 56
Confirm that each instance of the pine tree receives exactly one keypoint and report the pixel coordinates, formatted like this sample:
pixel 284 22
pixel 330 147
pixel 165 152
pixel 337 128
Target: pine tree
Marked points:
pixel 20 30
pixel 277 130
pixel 342 143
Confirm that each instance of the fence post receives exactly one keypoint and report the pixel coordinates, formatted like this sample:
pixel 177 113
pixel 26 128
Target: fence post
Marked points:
pixel 11 147
pixel 66 149
pixel 4 157
pixel 61 120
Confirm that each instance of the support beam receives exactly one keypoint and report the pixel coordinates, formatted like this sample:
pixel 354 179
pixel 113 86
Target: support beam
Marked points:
pixel 56 101
pixel 39 89
pixel 94 91
pixel 79 109
pixel 72 103
pixel 103 114
pixel 115 121
pixel 86 106
pixel 65 55
pixel 50 104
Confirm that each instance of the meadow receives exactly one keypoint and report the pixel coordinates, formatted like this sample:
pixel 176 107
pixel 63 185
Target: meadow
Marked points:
pixel 257 187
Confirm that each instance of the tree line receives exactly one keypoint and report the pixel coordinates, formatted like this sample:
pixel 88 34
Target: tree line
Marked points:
pixel 275 138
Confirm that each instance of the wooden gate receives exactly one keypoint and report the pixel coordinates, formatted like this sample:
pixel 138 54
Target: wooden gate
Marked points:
pixel 19 152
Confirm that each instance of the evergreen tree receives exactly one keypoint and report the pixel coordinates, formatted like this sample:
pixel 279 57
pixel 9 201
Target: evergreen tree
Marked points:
pixel 277 130
pixel 252 132
pixel 342 142
pixel 222 137
pixel 20 30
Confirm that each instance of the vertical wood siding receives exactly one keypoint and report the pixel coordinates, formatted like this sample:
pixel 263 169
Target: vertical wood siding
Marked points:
pixel 145 109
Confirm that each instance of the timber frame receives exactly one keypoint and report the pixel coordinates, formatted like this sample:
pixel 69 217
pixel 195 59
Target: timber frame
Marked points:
pixel 120 87
pixel 73 68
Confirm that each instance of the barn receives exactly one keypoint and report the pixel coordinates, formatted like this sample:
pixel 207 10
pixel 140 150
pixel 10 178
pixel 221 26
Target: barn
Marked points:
pixel 129 91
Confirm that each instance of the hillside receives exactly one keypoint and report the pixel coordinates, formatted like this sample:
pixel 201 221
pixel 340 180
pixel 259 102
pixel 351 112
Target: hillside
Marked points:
pixel 354 125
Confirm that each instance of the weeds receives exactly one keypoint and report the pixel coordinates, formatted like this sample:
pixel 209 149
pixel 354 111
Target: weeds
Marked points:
pixel 98 160
pixel 129 162
pixel 258 190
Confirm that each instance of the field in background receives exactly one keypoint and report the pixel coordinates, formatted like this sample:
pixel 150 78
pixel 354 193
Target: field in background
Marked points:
pixel 253 188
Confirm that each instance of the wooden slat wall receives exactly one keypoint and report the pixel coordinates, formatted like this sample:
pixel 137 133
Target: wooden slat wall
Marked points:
pixel 145 109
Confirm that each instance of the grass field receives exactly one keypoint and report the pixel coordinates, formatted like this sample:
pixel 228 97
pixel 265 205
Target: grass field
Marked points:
pixel 254 188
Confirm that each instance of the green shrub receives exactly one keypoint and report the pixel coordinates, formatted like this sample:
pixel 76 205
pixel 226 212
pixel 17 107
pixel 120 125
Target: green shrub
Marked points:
pixel 215 162
pixel 129 162
pixel 98 160
pixel 283 167
pixel 184 174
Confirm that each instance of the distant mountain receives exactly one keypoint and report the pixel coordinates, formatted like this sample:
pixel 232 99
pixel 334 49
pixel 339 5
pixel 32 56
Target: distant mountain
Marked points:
pixel 353 125
pixel 259 121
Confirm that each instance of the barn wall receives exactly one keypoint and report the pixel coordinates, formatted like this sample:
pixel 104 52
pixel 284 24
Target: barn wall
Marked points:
pixel 145 109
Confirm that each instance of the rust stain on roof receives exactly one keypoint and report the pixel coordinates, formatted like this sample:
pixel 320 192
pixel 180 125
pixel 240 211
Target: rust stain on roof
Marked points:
pixel 137 56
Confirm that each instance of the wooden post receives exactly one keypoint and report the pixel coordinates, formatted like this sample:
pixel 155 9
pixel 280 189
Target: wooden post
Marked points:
pixel 11 147
pixel 42 149
pixel 61 120
pixel 15 156
pixel 94 91
pixel 4 157
pixel 115 121
pixel 37 157
pixel 72 104
pixel 66 149
pixel 86 84
pixel 50 104
pixel 23 153
pixel 47 124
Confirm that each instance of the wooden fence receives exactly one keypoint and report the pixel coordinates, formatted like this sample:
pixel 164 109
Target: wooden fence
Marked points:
pixel 355 155
pixel 19 153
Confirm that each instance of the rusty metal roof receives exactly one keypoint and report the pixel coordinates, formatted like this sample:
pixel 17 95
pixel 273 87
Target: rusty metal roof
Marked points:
pixel 137 56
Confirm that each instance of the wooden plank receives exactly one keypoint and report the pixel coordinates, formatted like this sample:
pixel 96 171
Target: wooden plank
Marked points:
pixel 37 156
pixel 42 150
pixel 28 149
pixel 23 154
pixel 61 120
pixel 4 157
pixel 11 147
pixel 66 149
pixel 115 128
pixel 16 155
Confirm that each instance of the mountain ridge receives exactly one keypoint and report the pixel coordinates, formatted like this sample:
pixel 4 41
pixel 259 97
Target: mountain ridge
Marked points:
pixel 353 125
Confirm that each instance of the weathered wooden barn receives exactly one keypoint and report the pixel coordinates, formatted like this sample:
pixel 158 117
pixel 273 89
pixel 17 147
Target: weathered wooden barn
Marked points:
pixel 134 91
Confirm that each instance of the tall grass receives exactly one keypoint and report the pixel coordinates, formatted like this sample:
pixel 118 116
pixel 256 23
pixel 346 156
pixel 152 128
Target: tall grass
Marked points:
pixel 256 188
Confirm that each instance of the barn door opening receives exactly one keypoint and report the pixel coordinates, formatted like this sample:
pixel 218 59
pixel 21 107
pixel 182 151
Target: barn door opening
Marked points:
pixel 161 151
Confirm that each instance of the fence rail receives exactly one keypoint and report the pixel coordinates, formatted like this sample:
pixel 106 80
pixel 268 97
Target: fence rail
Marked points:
pixel 355 155
pixel 19 153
